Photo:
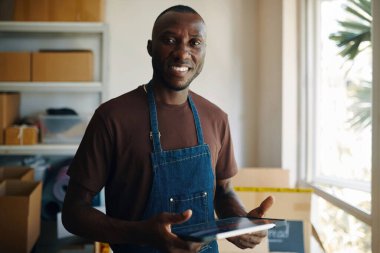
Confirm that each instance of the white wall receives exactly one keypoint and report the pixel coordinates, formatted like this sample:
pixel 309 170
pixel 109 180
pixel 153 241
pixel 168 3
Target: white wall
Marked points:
pixel 242 73
pixel 269 120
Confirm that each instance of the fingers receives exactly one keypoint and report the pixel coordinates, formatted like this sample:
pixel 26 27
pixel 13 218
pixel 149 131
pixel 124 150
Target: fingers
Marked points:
pixel 260 234
pixel 179 245
pixel 260 211
pixel 162 238
pixel 187 214
pixel 176 218
pixel 248 240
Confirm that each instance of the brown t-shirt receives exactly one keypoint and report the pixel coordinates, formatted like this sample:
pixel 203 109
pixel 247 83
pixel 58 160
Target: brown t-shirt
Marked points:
pixel 115 150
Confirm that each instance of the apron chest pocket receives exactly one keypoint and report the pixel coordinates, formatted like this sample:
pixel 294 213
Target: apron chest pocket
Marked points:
pixel 197 202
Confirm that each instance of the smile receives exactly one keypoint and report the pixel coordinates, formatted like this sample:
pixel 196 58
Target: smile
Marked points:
pixel 180 69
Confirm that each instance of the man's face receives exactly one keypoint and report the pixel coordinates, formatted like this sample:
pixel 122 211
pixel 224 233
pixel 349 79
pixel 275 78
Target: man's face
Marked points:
pixel 178 49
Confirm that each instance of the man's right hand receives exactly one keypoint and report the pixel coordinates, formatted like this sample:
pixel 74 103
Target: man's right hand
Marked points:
pixel 79 217
pixel 158 233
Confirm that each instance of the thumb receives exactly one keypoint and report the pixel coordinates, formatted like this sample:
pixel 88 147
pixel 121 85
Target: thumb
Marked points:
pixel 177 218
pixel 260 211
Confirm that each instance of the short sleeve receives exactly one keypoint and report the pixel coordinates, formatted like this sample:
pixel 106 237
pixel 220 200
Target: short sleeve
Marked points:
pixel 226 166
pixel 92 161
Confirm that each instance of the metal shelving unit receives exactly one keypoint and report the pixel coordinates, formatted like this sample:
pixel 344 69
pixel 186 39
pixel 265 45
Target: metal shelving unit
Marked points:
pixel 41 149
pixel 33 36
pixel 94 87
pixel 55 27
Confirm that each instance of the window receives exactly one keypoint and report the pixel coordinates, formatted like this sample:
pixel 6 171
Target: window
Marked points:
pixel 336 119
pixel 341 232
pixel 342 127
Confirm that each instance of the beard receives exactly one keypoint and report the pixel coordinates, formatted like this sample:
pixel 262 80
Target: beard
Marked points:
pixel 161 75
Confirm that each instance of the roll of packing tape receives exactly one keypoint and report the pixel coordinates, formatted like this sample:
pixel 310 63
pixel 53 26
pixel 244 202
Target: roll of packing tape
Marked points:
pixel 60 184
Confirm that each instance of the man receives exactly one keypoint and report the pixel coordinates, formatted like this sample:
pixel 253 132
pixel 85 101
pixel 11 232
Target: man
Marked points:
pixel 163 153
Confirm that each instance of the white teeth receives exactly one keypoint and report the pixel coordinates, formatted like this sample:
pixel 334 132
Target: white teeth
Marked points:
pixel 181 69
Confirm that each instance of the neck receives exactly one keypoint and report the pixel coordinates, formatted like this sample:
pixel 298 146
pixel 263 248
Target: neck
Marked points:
pixel 169 96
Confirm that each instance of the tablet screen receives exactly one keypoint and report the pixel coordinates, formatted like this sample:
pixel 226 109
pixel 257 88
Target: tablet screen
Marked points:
pixel 224 228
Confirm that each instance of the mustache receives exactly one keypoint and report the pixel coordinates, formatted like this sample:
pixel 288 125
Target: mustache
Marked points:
pixel 189 64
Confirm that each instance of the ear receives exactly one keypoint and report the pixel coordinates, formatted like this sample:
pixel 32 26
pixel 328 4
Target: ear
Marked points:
pixel 149 47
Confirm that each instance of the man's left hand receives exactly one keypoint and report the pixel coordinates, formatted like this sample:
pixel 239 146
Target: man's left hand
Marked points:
pixel 251 240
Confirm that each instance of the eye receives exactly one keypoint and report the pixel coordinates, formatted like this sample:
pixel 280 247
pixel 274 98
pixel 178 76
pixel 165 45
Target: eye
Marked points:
pixel 169 41
pixel 196 43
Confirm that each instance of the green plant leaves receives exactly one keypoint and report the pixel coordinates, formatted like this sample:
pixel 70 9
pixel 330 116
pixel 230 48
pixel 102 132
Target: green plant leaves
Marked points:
pixel 354 32
pixel 351 38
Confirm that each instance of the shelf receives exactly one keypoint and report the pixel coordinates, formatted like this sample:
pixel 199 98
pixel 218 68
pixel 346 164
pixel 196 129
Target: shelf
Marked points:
pixel 54 27
pixel 37 96
pixel 51 86
pixel 41 149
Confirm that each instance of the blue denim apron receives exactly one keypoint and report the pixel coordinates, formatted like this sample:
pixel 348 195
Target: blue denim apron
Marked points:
pixel 182 179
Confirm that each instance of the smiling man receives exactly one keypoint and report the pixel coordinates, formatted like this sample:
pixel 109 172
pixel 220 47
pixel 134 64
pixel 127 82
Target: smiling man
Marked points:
pixel 177 54
pixel 163 153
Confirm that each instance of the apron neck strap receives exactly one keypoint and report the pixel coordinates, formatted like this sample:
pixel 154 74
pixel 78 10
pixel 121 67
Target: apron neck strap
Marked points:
pixel 155 133
pixel 197 121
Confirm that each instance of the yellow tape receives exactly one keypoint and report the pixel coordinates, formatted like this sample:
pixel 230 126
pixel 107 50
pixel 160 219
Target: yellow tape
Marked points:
pixel 271 189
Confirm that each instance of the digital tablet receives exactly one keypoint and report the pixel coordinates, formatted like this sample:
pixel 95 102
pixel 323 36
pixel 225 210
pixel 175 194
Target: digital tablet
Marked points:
pixel 224 228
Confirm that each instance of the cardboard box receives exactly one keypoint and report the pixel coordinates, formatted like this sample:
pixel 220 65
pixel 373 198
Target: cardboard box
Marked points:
pixel 20 205
pixel 21 135
pixel 15 66
pixel 58 10
pixel 261 177
pixel 31 10
pixel 290 204
pixel 294 203
pixel 253 185
pixel 17 173
pixel 77 10
pixel 59 66
pixel 9 111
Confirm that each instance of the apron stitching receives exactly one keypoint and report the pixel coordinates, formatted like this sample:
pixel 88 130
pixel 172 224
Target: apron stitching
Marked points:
pixel 184 159
pixel 185 149
pixel 179 200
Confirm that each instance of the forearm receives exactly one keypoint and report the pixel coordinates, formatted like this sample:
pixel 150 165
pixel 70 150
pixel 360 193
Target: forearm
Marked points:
pixel 80 218
pixel 227 203
pixel 92 224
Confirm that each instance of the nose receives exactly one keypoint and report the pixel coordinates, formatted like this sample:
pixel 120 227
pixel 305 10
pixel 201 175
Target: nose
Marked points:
pixel 182 51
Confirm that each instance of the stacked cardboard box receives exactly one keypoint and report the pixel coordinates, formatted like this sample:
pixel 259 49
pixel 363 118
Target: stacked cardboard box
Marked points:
pixel 290 204
pixel 17 173
pixel 253 185
pixel 47 66
pixel 21 135
pixel 58 10
pixel 9 111
pixel 58 66
pixel 20 205
pixel 15 66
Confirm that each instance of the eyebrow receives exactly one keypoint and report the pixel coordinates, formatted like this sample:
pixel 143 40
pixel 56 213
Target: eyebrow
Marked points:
pixel 166 33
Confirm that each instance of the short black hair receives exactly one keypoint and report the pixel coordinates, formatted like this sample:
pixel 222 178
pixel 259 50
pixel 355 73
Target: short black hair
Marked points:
pixel 178 8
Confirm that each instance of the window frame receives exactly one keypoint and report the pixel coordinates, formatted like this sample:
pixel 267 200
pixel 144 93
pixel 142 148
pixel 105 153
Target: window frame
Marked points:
pixel 307 80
